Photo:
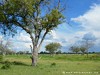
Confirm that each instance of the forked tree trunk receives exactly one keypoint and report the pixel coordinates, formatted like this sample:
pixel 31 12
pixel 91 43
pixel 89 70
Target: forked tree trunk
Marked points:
pixel 36 48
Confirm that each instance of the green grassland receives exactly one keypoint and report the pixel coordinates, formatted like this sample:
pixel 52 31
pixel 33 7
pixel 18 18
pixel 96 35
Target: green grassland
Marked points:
pixel 61 64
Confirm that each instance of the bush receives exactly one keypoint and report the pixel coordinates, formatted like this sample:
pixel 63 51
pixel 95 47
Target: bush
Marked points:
pixel 6 65
pixel 53 64
pixel 18 63
pixel 1 57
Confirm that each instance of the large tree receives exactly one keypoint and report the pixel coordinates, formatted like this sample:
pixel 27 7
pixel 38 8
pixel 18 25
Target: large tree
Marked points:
pixel 36 17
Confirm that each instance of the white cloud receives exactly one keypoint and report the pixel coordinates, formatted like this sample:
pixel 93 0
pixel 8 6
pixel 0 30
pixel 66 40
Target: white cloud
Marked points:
pixel 23 37
pixel 54 35
pixel 90 21
pixel 0 37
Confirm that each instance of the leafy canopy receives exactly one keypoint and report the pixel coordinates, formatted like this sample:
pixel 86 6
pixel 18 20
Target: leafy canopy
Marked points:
pixel 52 47
pixel 29 15
pixel 75 49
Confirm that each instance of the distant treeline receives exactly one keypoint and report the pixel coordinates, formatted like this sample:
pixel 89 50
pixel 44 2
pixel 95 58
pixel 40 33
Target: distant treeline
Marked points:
pixel 44 52
pixel 66 52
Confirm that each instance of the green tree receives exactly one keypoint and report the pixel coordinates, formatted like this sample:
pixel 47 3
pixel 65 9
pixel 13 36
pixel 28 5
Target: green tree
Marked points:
pixel 83 49
pixel 58 52
pixel 52 47
pixel 36 17
pixel 75 49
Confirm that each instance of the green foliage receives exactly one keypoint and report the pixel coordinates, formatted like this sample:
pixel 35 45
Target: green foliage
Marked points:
pixel 6 65
pixel 54 19
pixel 19 63
pixel 28 14
pixel 52 47
pixel 75 49
pixel 58 52
pixel 83 49
pixel 1 57
pixel 53 64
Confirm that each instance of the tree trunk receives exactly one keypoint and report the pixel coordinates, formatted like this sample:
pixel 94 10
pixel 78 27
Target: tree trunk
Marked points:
pixel 34 56
pixel 87 54
pixel 34 50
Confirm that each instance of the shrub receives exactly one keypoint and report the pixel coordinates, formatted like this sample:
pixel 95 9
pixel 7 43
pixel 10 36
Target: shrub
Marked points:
pixel 1 57
pixel 19 63
pixel 53 64
pixel 6 65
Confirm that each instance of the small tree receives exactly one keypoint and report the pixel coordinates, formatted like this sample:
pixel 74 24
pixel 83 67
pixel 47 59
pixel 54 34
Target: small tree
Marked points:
pixel 52 47
pixel 83 50
pixel 4 47
pixel 58 52
pixel 75 49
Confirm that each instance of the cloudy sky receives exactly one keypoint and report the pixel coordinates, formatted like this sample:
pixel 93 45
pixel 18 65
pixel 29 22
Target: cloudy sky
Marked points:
pixel 83 17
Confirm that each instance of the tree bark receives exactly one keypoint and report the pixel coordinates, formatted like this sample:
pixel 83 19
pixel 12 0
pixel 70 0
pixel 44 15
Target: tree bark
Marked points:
pixel 34 56
pixel 34 51
pixel 87 54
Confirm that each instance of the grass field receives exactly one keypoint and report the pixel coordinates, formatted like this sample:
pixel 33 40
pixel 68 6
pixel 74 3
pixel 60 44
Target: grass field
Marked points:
pixel 69 64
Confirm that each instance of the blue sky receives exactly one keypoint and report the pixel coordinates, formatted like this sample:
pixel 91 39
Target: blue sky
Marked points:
pixel 78 7
pixel 83 17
